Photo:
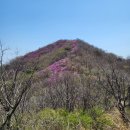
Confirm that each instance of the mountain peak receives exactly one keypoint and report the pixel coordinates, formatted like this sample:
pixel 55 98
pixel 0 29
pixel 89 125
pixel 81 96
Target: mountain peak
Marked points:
pixel 66 41
pixel 60 44
pixel 66 56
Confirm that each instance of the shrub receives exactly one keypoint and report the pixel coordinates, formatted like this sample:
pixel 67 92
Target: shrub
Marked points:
pixel 86 120
pixel 73 120
pixel 100 119
pixel 61 119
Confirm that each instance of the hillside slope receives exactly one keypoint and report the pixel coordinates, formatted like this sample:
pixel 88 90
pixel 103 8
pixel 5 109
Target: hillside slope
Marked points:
pixel 70 84
pixel 69 55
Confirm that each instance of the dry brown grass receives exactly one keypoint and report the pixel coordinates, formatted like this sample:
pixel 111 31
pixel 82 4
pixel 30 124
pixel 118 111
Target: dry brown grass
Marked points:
pixel 117 120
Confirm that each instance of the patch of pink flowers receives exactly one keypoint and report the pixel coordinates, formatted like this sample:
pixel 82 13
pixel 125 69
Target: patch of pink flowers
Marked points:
pixel 50 48
pixel 44 50
pixel 57 69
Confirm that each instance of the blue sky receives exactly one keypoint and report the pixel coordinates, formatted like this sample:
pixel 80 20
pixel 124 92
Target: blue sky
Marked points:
pixel 27 25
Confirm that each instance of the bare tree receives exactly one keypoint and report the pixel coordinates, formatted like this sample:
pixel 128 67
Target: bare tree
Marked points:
pixel 116 82
pixel 14 82
pixel 63 93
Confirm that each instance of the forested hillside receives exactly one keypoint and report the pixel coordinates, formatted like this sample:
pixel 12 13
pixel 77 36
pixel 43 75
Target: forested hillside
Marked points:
pixel 67 85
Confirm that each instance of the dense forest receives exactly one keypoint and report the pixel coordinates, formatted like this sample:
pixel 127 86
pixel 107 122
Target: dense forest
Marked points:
pixel 67 85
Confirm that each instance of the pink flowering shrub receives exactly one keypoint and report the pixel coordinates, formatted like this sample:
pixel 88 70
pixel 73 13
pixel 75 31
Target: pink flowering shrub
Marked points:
pixel 44 50
pixel 58 68
pixel 55 59
pixel 70 44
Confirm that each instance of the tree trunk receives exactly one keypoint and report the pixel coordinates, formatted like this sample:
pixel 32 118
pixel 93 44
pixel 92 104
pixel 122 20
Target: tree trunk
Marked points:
pixel 129 96
pixel 121 109
pixel 6 124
